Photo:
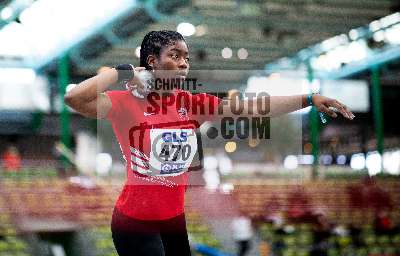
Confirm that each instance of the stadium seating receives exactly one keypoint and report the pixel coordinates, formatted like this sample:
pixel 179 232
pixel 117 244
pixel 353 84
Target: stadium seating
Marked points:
pixel 329 197
pixel 335 199
pixel 27 195
pixel 299 240
pixel 44 196
pixel 10 243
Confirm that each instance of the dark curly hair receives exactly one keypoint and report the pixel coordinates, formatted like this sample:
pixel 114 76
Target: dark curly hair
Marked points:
pixel 154 41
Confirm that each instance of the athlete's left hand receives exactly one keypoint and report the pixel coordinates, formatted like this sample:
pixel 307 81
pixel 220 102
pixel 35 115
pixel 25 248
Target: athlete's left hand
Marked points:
pixel 329 106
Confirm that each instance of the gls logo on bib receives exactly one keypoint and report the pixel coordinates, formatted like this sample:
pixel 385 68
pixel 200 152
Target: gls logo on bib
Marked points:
pixel 172 149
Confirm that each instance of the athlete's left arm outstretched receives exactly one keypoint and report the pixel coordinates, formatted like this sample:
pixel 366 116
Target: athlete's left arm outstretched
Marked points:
pixel 273 106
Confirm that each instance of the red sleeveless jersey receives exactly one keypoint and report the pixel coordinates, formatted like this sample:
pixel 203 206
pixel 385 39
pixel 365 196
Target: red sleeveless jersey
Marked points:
pixel 158 143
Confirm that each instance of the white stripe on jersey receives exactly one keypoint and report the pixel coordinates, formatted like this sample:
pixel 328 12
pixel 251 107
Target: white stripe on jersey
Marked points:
pixel 139 153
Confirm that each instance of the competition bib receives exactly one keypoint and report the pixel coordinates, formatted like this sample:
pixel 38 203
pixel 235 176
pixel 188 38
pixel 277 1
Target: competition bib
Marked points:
pixel 171 150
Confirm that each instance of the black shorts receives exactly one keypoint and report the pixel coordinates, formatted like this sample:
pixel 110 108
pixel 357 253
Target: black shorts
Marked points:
pixel 133 237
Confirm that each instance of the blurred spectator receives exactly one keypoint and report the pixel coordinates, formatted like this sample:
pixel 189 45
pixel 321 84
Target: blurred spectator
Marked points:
pixel 369 195
pixel 11 159
pixel 270 214
pixel 356 197
pixel 382 223
pixel 299 210
pixel 276 219
pixel 380 199
pixel 242 233
pixel 278 244
pixel 273 212
pixel 355 234
pixel 272 207
pixel 322 230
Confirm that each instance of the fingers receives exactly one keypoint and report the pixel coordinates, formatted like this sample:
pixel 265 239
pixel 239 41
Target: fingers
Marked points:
pixel 138 69
pixel 342 109
pixel 130 86
pixel 330 112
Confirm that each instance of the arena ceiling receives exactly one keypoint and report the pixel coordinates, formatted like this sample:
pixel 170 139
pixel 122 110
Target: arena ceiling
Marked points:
pixel 266 29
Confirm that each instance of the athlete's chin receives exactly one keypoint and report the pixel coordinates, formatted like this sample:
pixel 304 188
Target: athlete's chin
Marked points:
pixel 182 77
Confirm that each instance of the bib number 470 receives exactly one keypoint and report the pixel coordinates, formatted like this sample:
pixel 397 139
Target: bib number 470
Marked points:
pixel 173 152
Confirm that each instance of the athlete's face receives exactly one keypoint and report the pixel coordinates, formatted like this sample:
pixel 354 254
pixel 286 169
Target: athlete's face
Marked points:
pixel 175 59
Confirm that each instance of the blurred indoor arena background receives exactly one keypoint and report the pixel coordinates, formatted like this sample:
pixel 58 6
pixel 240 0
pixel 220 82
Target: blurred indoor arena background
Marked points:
pixel 338 195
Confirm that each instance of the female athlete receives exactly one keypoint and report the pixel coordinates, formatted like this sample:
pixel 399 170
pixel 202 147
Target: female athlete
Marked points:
pixel 148 217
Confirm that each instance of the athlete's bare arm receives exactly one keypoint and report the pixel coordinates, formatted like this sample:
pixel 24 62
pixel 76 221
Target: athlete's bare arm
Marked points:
pixel 279 105
pixel 88 97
